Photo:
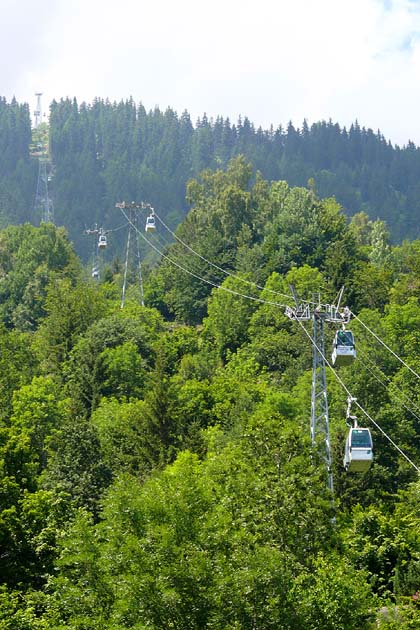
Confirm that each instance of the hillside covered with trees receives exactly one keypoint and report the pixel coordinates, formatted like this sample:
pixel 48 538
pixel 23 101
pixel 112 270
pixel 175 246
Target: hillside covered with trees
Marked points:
pixel 156 462
pixel 106 152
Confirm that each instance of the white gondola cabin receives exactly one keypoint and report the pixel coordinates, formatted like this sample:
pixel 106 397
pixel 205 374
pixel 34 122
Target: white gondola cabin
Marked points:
pixel 150 223
pixel 358 455
pixel 102 241
pixel 344 349
pixel 95 273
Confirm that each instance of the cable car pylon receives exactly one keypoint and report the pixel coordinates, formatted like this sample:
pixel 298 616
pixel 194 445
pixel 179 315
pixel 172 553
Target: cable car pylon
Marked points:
pixel 131 213
pixel 43 204
pixel 319 314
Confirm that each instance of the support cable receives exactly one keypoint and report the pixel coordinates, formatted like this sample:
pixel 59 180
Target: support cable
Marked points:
pixel 125 268
pixel 227 273
pixel 120 227
pixel 385 345
pixel 194 275
pixel 254 284
pixel 140 271
pixel 346 389
pixel 260 300
pixel 366 358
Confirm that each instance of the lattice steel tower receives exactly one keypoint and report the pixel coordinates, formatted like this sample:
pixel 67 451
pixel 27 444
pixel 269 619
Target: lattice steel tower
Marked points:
pixel 43 201
pixel 43 206
pixel 131 212
pixel 38 110
pixel 319 314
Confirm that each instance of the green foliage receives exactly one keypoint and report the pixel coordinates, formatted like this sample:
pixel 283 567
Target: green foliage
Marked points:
pixel 159 474
pixel 302 230
pixel 224 542
pixel 30 517
pixel 106 151
pixel 228 316
pixel 21 611
pixel 123 435
pixel 76 467
pixel 17 365
pixel 29 257
pixel 404 617
pixel 17 171
pixel 222 206
pixel 69 311
pixel 111 149
pixel 112 348
pixel 386 543
pixel 37 413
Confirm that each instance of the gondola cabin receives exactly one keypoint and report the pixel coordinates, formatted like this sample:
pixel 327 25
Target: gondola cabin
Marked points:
pixel 102 241
pixel 343 350
pixel 358 455
pixel 150 223
pixel 95 273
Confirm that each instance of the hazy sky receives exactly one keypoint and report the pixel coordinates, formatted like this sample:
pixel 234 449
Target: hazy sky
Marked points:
pixel 270 60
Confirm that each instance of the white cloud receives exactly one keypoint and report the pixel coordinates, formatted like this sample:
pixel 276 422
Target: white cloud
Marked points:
pixel 273 61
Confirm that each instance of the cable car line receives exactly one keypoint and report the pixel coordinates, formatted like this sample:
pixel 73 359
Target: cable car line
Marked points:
pixel 260 300
pixel 227 273
pixel 249 282
pixel 346 389
pixel 125 269
pixel 194 275
pixel 391 392
pixel 161 241
pixel 140 271
pixel 123 225
pixel 254 284
pixel 385 345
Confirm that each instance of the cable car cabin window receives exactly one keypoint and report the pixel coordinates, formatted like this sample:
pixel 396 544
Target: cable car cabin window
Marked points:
pixel 360 438
pixel 344 349
pixel 345 338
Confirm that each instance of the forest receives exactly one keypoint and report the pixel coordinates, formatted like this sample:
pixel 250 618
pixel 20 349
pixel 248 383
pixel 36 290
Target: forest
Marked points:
pixel 157 469
pixel 156 463
pixel 102 153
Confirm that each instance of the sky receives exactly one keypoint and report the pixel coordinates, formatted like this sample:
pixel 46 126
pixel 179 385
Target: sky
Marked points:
pixel 273 61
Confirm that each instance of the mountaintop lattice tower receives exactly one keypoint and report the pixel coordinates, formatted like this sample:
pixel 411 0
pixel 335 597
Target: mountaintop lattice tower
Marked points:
pixel 43 206
pixel 38 110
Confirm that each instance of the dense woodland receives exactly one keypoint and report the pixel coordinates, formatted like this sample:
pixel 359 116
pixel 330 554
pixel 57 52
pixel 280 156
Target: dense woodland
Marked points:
pixel 156 465
pixel 106 152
